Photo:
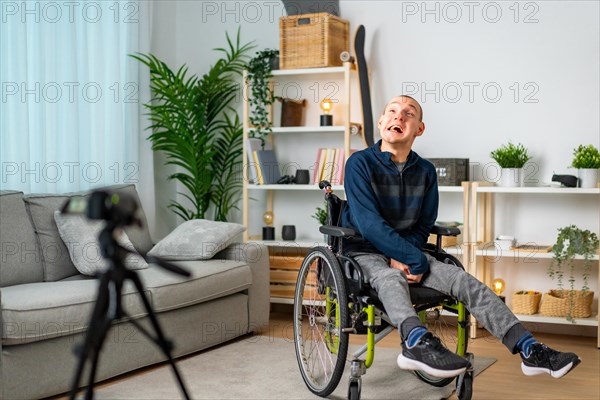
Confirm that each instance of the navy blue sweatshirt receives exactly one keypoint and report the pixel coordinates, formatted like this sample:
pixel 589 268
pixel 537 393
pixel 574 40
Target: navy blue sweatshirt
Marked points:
pixel 393 211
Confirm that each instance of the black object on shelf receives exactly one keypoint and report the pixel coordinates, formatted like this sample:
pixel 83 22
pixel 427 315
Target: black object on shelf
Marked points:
pixel 326 120
pixel 302 177
pixel 268 233
pixel 288 232
pixel 567 180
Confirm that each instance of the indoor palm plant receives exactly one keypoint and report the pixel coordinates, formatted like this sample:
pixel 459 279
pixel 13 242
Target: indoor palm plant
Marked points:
pixel 587 161
pixel 193 123
pixel 511 159
pixel 570 242
pixel 258 74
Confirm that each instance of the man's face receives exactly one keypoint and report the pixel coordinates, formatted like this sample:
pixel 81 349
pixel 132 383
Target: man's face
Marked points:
pixel 400 121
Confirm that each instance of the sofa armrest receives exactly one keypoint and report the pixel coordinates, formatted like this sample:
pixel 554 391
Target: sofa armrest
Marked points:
pixel 257 257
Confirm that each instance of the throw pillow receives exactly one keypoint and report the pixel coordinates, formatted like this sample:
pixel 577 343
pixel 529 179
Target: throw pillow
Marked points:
pixel 80 235
pixel 197 239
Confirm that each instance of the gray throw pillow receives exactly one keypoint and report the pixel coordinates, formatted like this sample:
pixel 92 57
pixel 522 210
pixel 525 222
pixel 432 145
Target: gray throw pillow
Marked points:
pixel 80 235
pixel 197 239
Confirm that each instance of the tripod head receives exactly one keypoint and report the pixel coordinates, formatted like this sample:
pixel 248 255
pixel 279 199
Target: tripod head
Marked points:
pixel 118 209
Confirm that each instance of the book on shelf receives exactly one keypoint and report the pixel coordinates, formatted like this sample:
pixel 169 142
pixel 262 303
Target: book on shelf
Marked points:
pixel 329 165
pixel 268 167
pixel 252 145
pixel 532 248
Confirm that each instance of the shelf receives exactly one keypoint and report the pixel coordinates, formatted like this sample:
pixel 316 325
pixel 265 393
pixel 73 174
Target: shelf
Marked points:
pixel 307 129
pixel 494 252
pixel 308 71
pixel 537 190
pixel 292 187
pixel 304 243
pixel 450 189
pixel 336 188
pixel 591 321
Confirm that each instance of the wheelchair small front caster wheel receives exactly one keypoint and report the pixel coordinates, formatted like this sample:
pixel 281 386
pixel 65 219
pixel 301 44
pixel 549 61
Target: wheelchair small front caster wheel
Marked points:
pixel 464 386
pixel 354 390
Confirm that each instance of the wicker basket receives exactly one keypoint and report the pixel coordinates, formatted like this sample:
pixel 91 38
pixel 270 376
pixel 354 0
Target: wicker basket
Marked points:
pixel 312 40
pixel 557 303
pixel 526 302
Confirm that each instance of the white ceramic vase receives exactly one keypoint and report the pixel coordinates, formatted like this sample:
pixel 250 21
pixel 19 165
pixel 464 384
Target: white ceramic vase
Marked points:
pixel 588 177
pixel 511 177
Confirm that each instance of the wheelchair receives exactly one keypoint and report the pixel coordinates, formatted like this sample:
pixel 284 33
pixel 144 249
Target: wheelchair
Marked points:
pixel 332 300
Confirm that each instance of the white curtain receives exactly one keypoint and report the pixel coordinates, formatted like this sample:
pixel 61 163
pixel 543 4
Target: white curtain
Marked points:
pixel 71 114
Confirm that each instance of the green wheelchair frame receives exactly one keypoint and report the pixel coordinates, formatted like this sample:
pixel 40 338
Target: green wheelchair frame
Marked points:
pixel 329 305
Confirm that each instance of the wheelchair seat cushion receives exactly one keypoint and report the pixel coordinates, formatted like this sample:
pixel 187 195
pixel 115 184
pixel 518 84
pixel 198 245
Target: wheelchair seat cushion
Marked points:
pixel 421 295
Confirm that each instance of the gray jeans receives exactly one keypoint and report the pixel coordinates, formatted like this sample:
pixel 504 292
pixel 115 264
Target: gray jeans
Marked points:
pixel 392 288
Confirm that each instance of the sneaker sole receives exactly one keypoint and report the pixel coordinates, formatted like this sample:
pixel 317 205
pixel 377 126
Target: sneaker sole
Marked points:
pixel 410 364
pixel 532 371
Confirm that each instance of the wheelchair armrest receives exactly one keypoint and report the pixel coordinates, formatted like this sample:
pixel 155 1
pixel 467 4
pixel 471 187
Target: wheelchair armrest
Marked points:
pixel 336 231
pixel 445 230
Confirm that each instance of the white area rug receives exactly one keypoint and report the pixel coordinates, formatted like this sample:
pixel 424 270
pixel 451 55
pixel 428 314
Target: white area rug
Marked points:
pixel 260 367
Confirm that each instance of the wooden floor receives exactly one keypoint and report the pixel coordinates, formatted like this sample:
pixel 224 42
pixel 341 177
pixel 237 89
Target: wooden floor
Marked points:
pixel 504 379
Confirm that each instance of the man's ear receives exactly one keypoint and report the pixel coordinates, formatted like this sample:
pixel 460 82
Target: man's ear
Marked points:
pixel 379 121
pixel 421 129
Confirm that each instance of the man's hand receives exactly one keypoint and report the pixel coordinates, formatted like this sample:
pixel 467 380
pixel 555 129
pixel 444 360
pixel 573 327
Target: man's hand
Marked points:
pixel 404 268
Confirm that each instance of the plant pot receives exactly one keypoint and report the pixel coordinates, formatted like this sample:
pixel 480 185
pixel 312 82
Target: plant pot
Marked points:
pixel 588 177
pixel 274 63
pixel 511 177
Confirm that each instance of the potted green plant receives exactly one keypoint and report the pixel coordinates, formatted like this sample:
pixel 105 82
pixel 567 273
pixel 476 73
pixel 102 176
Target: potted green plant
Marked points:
pixel 570 243
pixel 258 74
pixel 321 216
pixel 511 159
pixel 194 124
pixel 587 161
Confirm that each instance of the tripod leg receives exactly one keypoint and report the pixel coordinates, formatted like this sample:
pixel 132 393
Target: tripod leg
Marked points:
pixel 102 331
pixel 95 335
pixel 160 339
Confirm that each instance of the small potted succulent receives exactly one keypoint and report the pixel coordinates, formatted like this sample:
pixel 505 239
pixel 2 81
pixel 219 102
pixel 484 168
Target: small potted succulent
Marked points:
pixel 511 159
pixel 587 161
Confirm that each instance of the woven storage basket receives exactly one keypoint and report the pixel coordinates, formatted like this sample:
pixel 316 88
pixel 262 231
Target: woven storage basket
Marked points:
pixel 556 303
pixel 525 303
pixel 312 40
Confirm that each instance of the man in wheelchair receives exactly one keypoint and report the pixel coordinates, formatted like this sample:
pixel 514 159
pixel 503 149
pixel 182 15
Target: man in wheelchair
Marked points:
pixel 392 202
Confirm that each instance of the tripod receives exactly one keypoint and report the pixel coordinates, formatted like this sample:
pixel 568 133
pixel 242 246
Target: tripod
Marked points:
pixel 108 308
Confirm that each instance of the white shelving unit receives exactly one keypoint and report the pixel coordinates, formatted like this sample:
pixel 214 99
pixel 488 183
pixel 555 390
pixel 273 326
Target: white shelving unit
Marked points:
pixel 292 203
pixel 479 234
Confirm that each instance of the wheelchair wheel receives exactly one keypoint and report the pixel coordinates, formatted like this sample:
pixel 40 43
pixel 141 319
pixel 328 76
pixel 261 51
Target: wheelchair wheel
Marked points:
pixel 320 313
pixel 465 391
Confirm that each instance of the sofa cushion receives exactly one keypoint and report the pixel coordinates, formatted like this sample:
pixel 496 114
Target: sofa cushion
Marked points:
pixel 55 256
pixel 45 310
pixel 19 250
pixel 139 236
pixel 210 279
pixel 197 239
pixel 81 237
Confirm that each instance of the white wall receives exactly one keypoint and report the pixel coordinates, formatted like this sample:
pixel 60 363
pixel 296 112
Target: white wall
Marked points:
pixel 453 57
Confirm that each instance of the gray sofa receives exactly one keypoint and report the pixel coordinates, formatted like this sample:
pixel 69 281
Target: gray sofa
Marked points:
pixel 46 304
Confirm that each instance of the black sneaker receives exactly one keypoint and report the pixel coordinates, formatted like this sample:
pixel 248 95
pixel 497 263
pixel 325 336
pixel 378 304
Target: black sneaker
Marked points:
pixel 430 356
pixel 544 360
